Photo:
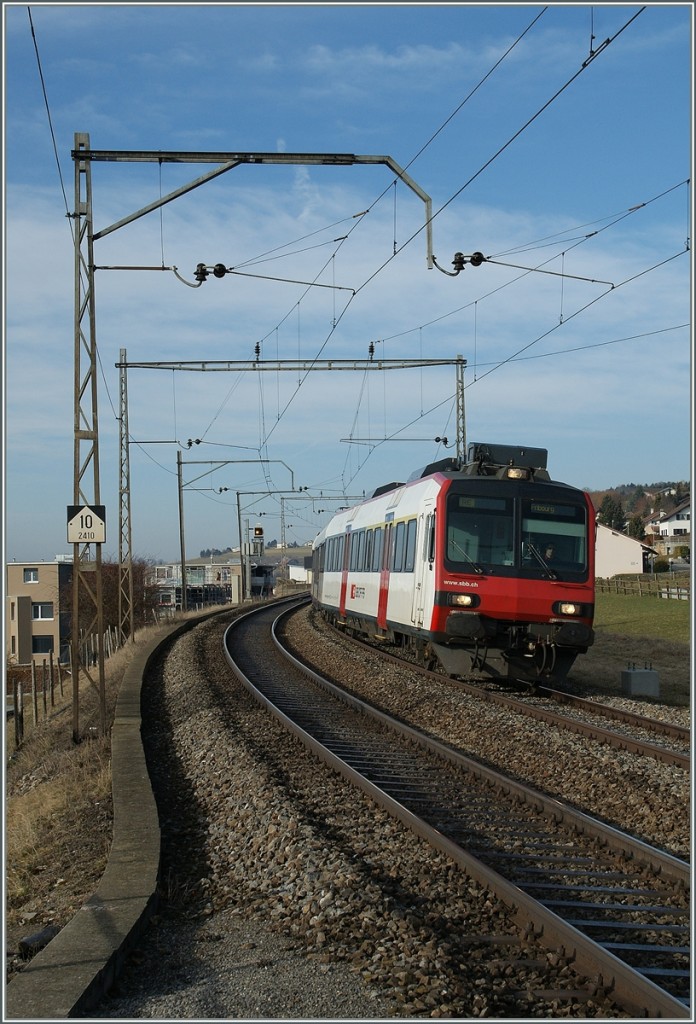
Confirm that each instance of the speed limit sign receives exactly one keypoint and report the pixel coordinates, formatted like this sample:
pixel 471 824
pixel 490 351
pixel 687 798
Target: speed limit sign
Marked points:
pixel 86 524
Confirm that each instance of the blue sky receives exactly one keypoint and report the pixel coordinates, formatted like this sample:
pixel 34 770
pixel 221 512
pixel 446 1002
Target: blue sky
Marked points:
pixel 532 153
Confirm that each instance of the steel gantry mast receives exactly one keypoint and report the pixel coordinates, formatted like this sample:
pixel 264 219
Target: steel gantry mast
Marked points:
pixel 461 415
pixel 126 623
pixel 87 603
pixel 258 365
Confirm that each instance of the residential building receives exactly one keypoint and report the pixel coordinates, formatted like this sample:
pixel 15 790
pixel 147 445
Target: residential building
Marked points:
pixel 207 582
pixel 674 529
pixel 670 530
pixel 616 553
pixel 38 610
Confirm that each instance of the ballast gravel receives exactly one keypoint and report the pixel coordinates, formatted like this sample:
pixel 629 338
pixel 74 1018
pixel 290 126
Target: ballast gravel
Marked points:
pixel 639 795
pixel 287 894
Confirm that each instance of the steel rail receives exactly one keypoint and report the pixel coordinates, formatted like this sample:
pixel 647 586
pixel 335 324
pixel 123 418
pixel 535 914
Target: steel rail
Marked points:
pixel 617 740
pixel 671 729
pixel 633 990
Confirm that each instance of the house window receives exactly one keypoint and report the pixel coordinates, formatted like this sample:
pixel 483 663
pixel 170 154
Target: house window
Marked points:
pixel 42 645
pixel 42 610
pixel 31 575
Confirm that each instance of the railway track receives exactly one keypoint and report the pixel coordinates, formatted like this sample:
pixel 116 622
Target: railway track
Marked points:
pixel 616 906
pixel 636 733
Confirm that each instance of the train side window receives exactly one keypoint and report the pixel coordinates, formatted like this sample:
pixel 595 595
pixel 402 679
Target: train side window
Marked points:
pixel 430 539
pixel 377 551
pixel 353 550
pixel 369 545
pixel 386 553
pixel 398 553
pixel 410 556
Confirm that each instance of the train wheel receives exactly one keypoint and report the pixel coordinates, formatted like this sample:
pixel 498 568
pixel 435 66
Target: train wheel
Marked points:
pixel 425 656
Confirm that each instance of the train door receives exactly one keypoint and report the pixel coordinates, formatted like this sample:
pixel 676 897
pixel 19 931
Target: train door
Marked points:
pixel 384 574
pixel 344 572
pixel 423 583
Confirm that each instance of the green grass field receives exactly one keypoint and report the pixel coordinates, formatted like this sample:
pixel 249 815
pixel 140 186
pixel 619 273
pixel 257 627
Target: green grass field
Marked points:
pixel 643 616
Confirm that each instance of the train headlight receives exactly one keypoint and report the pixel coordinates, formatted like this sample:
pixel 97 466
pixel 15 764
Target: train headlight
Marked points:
pixel 463 600
pixel 517 473
pixel 568 608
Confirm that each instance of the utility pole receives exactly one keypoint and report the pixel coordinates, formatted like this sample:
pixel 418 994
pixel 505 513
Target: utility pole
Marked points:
pixel 126 622
pixel 181 531
pixel 87 576
pixel 461 415
pixel 86 424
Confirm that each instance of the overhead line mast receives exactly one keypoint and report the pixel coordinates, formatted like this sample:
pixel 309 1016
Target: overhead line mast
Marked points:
pixel 228 161
pixel 87 575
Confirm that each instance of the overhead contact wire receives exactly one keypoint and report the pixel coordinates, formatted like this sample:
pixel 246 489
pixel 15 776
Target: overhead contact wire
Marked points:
pixel 502 149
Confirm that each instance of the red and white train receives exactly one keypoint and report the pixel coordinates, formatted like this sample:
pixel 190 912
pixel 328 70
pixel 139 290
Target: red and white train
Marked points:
pixel 487 568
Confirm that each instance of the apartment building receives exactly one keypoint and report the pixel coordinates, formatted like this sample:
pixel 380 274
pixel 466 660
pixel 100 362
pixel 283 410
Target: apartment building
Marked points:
pixel 669 531
pixel 37 610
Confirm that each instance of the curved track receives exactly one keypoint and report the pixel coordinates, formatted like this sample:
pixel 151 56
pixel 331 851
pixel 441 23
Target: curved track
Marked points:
pixel 618 907
pixel 637 734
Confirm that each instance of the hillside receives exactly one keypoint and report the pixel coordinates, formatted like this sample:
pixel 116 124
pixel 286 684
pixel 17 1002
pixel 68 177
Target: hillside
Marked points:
pixel 644 499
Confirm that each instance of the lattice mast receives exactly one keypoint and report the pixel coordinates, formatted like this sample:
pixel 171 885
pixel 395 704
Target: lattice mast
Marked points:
pixel 461 414
pixel 126 624
pixel 87 601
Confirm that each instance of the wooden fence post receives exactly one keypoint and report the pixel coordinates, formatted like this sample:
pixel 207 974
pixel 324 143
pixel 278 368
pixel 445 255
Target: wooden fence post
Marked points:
pixel 34 696
pixel 15 702
pixel 19 710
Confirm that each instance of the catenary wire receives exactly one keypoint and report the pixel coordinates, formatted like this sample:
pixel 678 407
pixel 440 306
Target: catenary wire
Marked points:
pixel 500 150
pixel 387 188
pixel 50 119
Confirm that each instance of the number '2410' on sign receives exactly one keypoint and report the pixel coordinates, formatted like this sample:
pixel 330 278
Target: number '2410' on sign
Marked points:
pixel 86 525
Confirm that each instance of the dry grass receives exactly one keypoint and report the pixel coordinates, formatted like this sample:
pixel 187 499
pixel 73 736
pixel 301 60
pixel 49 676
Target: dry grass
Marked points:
pixel 639 632
pixel 58 809
pixel 599 671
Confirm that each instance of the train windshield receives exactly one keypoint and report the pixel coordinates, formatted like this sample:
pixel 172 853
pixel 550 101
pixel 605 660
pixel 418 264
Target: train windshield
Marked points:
pixel 554 535
pixel 480 532
pixel 508 535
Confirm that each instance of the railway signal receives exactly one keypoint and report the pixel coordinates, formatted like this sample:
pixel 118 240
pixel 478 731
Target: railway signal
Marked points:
pixel 258 540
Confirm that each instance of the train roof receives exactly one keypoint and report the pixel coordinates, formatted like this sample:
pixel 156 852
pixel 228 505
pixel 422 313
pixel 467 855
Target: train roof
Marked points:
pixel 484 459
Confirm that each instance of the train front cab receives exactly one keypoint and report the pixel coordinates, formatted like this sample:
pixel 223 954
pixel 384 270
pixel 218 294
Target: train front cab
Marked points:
pixel 515 577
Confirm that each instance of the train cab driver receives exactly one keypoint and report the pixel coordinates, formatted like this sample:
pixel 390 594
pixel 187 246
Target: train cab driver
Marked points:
pixel 549 553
